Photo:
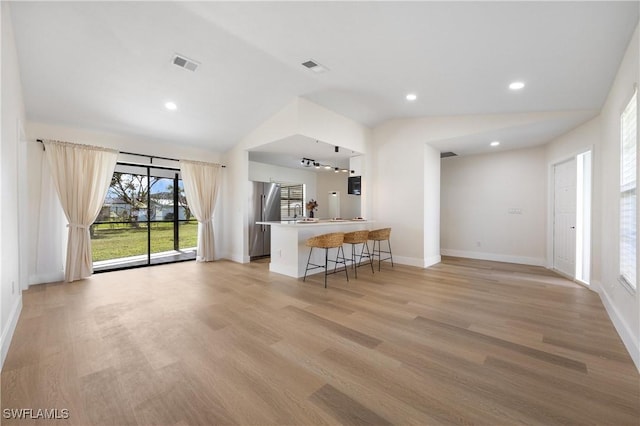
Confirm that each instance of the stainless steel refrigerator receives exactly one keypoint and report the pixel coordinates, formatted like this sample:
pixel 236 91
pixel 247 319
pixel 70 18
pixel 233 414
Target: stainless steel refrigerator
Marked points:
pixel 266 208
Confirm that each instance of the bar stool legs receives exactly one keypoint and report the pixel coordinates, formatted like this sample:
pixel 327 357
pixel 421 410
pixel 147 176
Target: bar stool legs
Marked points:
pixel 308 262
pixel 378 236
pixel 378 253
pixel 354 238
pixel 354 253
pixel 326 242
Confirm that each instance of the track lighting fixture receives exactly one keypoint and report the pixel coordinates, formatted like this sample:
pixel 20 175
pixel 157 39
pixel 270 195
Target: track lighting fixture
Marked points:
pixel 309 162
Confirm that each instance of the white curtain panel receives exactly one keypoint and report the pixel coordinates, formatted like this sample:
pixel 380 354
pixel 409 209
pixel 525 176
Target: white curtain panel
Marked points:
pixel 201 186
pixel 81 175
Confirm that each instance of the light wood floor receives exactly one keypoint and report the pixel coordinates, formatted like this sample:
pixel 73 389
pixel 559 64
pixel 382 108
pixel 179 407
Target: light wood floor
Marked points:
pixel 464 342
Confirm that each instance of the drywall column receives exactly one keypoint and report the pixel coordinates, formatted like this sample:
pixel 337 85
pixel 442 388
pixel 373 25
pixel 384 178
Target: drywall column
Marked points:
pixel 431 206
pixel 399 201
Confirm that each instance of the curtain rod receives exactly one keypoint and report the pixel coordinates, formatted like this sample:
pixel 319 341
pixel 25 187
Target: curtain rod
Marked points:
pixel 151 157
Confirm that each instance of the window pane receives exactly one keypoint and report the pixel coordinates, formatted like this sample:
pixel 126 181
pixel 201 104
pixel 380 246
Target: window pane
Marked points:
pixel 628 237
pixel 188 232
pixel 161 195
pixel 291 201
pixel 121 228
pixel 121 235
pixel 628 172
pixel 119 240
pixel 184 212
pixel 126 198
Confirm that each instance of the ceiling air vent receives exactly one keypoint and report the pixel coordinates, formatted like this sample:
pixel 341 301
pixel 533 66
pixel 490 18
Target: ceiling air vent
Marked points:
pixel 186 63
pixel 314 66
pixel 448 154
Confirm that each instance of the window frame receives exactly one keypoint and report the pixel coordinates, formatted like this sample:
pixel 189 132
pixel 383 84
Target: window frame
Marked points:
pixel 626 189
pixel 146 171
pixel 290 200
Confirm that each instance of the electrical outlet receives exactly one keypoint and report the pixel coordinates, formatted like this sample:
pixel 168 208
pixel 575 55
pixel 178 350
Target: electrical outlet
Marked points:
pixel 478 244
pixel 13 287
pixel 279 253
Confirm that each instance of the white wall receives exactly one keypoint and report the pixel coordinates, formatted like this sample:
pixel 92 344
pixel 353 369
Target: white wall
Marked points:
pixel 317 122
pixel 405 177
pixel 299 117
pixel 47 236
pixel 317 185
pixel 622 305
pixel 432 216
pixel 477 193
pixel 237 185
pixel 581 139
pixel 13 175
pixel 330 181
pixel 235 206
pixel 398 186
pixel 126 143
pixel 43 218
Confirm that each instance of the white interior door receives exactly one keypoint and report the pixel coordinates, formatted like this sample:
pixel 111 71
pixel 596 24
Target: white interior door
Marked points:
pixel 564 223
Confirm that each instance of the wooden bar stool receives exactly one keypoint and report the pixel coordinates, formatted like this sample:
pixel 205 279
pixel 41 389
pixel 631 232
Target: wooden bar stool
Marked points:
pixel 326 241
pixel 355 238
pixel 378 236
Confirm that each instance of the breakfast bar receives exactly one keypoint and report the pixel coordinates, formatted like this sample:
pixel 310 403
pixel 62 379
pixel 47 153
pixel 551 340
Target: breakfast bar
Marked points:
pixel 288 251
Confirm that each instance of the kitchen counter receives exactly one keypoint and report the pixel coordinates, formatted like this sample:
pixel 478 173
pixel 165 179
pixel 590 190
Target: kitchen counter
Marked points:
pixel 288 250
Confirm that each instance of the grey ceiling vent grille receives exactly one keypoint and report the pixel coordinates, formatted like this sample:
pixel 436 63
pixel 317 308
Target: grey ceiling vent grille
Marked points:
pixel 314 66
pixel 185 63
pixel 448 154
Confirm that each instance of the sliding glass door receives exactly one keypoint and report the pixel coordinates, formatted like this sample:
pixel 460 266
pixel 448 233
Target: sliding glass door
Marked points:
pixel 145 220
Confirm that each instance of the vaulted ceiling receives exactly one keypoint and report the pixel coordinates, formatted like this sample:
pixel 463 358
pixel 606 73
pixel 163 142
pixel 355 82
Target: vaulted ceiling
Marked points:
pixel 107 65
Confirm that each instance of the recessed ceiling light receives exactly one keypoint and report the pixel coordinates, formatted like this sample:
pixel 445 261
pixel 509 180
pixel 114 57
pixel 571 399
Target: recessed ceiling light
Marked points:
pixel 327 167
pixel 411 97
pixel 171 106
pixel 495 143
pixel 516 85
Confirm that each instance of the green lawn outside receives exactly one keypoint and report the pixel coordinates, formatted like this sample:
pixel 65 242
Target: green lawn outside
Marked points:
pixel 113 241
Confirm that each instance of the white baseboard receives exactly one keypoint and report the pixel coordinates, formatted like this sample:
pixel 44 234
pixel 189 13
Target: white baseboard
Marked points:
pixel 7 333
pixel 51 277
pixel 238 258
pixel 291 271
pixel 430 261
pixel 524 260
pixel 622 328
pixel 410 261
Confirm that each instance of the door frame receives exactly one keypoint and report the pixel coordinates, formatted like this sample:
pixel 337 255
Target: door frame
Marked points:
pixel 176 217
pixel 551 209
